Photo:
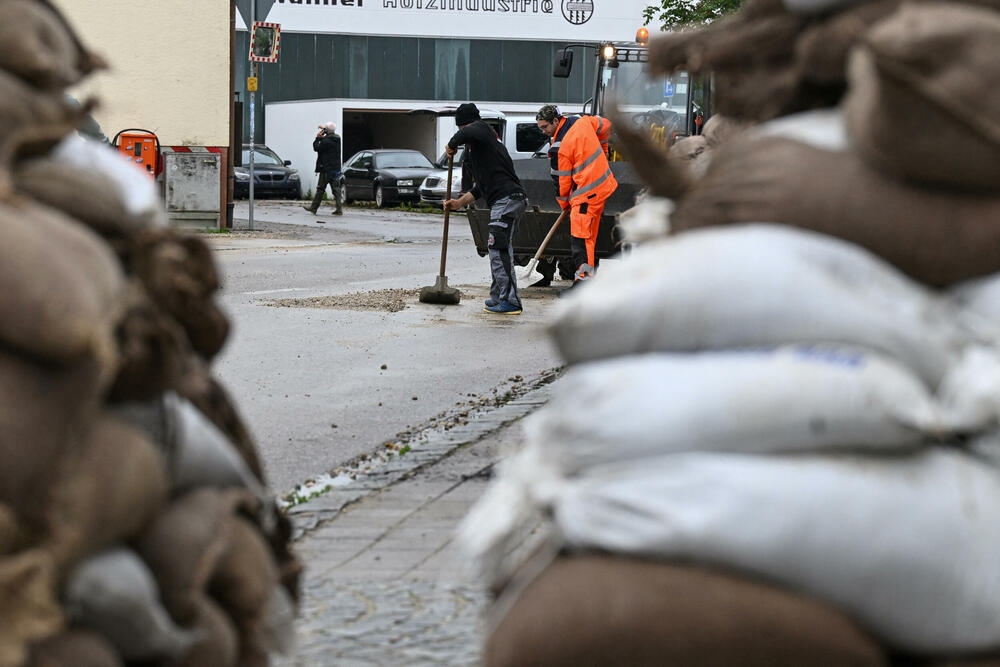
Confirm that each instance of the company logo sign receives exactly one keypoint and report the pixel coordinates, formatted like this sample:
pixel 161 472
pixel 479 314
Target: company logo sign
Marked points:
pixel 577 12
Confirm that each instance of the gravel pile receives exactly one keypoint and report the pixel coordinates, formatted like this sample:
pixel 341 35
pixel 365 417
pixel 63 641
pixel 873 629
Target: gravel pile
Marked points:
pixel 387 300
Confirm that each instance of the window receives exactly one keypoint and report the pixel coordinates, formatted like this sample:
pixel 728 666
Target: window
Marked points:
pixel 402 160
pixel 364 161
pixel 261 156
pixel 529 138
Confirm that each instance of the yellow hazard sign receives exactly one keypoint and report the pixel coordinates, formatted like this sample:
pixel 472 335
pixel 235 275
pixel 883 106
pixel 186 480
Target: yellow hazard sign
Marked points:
pixel 252 84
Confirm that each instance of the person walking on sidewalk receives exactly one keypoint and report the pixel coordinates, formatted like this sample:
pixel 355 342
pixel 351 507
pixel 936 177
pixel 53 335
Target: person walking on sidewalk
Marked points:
pixel 328 166
pixel 578 156
pixel 489 163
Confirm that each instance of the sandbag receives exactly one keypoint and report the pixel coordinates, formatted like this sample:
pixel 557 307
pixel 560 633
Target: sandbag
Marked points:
pixel 74 648
pixel 905 545
pixel 981 296
pixel 753 285
pixel 38 46
pixel 690 154
pixel 152 348
pixel 614 610
pixel 183 545
pixel 42 409
pixel 106 489
pixel 797 398
pixel 937 237
pixel 924 98
pixel 62 287
pixel 179 273
pixel 25 111
pixel 87 196
pixel 30 611
pixel 114 595
pixel 218 643
pixel 11 533
pixel 245 574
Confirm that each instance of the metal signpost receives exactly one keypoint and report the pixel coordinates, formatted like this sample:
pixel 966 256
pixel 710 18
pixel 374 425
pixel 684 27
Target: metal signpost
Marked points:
pixel 265 40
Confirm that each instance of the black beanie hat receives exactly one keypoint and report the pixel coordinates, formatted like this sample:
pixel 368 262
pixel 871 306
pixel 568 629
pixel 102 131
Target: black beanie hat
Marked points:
pixel 466 113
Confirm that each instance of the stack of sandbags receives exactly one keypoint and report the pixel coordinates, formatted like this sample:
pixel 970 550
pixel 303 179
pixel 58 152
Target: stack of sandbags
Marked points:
pixel 135 524
pixel 812 405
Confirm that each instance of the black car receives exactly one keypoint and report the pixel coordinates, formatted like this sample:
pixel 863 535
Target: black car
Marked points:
pixel 385 176
pixel 272 175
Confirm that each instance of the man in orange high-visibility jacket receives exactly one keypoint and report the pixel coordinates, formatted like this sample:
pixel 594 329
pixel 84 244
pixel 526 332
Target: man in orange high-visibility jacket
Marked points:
pixel 578 155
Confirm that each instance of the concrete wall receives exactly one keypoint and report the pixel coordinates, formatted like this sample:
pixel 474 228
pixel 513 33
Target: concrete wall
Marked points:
pixel 170 64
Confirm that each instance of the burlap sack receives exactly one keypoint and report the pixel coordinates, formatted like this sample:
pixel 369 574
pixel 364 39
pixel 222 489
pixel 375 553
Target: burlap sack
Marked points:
pixel 114 595
pixel 41 409
pixel 152 349
pixel 74 648
pixel 179 273
pixel 105 490
pixel 937 237
pixel 184 544
pixel 924 100
pixel 29 611
pixel 219 643
pixel 87 196
pixel 245 574
pixel 62 286
pixel 607 610
pixel 11 533
pixel 691 155
pixel 38 46
pixel 25 111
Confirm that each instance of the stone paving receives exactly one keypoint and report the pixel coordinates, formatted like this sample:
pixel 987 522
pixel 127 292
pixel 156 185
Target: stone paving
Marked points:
pixel 384 583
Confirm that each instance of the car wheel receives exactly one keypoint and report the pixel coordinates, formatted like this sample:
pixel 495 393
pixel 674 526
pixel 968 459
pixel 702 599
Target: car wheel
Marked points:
pixel 379 195
pixel 343 192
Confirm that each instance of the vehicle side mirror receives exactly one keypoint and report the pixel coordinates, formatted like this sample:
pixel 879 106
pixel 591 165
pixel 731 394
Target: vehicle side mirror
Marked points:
pixel 288 163
pixel 563 64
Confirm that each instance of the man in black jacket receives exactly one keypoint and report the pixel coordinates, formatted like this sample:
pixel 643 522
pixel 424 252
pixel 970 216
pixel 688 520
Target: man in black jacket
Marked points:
pixel 327 147
pixel 489 164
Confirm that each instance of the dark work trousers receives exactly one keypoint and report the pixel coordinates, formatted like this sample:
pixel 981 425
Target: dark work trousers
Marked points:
pixel 333 179
pixel 504 216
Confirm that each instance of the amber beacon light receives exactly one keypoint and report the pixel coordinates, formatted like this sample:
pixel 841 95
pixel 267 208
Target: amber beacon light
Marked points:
pixel 642 36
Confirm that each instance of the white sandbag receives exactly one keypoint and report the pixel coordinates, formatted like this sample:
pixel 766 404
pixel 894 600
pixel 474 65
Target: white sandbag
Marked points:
pixel 138 191
pixel 797 398
pixel 758 284
pixel 114 594
pixel 822 128
pixel 981 296
pixel 648 219
pixel 906 545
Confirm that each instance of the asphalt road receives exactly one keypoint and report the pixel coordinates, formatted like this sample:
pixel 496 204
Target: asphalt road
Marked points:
pixel 322 383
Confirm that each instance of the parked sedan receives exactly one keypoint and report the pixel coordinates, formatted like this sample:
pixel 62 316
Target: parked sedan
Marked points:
pixel 385 176
pixel 272 175
pixel 434 189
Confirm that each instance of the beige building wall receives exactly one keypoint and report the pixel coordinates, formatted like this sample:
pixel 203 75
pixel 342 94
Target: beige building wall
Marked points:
pixel 170 63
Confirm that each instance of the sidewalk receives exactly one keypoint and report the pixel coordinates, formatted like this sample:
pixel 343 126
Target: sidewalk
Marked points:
pixel 384 583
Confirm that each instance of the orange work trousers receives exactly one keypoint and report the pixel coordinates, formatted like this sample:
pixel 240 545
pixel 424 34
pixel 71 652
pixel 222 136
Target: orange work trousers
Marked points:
pixel 584 219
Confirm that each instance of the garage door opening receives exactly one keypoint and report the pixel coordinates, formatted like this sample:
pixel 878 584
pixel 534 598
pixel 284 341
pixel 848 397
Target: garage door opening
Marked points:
pixel 365 130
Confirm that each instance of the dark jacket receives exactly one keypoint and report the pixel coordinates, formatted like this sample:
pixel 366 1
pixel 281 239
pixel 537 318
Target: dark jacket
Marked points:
pixel 488 161
pixel 327 150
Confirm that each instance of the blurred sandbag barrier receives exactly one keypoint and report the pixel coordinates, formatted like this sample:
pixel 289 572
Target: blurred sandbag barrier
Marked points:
pixel 136 526
pixel 780 427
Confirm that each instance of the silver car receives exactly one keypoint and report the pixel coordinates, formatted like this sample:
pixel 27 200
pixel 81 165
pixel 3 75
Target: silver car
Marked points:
pixel 433 190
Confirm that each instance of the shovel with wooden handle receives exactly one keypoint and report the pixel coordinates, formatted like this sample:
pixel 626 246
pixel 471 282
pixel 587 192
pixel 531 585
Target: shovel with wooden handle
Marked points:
pixel 526 276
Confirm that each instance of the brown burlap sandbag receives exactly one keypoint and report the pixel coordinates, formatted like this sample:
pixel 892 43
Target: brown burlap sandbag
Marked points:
pixel 28 608
pixel 935 236
pixel 153 349
pixel 219 643
pixel 245 575
pixel 38 45
pixel 106 489
pixel 179 273
pixel 41 409
pixel 607 610
pixel 26 109
pixel 74 648
pixel 924 100
pixel 183 545
pixel 87 196
pixel 61 284
pixel 11 534
pixel 690 155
